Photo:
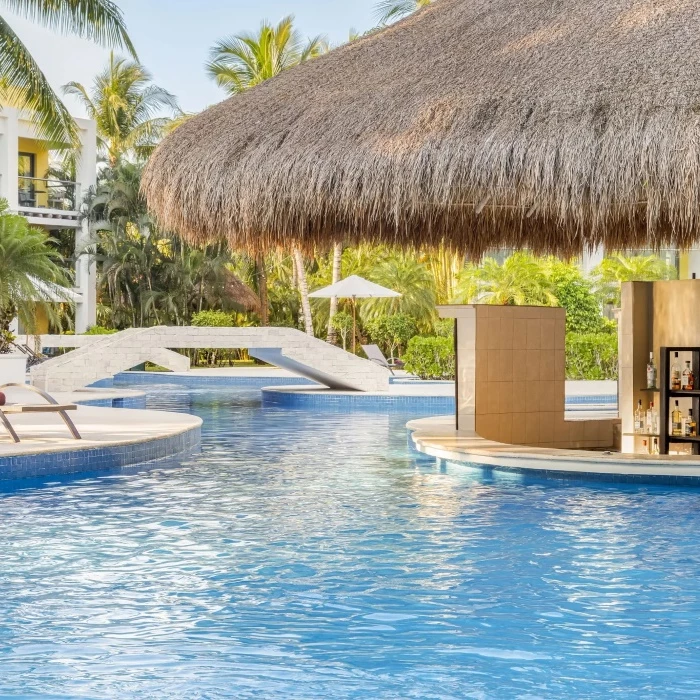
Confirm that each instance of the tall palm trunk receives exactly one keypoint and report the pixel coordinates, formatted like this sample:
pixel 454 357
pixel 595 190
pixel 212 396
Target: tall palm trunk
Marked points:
pixel 261 275
pixel 303 291
pixel 337 261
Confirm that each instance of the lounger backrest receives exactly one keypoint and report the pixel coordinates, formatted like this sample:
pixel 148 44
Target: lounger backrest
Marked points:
pixel 376 355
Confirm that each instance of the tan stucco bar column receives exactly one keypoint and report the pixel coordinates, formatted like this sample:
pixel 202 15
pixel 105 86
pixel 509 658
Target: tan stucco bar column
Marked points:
pixel 511 371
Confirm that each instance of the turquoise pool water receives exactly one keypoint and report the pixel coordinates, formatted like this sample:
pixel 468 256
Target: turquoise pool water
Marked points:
pixel 302 556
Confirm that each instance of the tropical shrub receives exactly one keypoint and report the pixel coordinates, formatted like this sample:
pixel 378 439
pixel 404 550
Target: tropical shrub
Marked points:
pixel 27 256
pixel 213 319
pixel 342 322
pixel 591 356
pixel 444 328
pixel 100 330
pixel 401 272
pixel 522 279
pixel 615 270
pixel 391 333
pixel 430 357
pixel 575 293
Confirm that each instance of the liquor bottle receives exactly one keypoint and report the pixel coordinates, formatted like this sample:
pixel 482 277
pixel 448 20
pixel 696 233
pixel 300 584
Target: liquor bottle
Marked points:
pixel 677 422
pixel 645 447
pixel 655 446
pixel 652 420
pixel 691 427
pixel 675 375
pixel 651 372
pixel 688 378
pixel 639 418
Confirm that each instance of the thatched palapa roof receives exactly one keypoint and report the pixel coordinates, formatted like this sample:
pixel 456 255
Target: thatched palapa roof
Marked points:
pixel 235 290
pixel 543 123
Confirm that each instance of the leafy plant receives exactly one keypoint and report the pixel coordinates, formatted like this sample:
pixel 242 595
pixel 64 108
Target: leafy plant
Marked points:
pixel 444 328
pixel 615 270
pixel 342 322
pixel 401 272
pixel 430 357
pixel 213 319
pixel 391 333
pixel 30 274
pixel 575 293
pixel 100 330
pixel 522 279
pixel 591 356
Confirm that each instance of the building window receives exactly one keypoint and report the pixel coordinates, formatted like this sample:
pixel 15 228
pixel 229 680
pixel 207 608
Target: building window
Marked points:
pixel 27 165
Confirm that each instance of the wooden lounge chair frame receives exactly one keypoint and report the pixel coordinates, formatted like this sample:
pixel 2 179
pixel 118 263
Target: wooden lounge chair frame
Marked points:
pixel 52 406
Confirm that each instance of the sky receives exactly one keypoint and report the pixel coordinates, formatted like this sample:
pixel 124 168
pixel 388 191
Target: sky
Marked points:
pixel 173 37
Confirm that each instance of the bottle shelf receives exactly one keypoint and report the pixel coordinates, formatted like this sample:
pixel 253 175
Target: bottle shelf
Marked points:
pixel 644 435
pixel 651 389
pixel 690 358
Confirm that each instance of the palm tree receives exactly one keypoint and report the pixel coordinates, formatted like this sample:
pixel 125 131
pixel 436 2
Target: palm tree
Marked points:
pixel 391 10
pixel 522 279
pixel 126 107
pixel 22 82
pixel 147 276
pixel 615 270
pixel 26 256
pixel 337 255
pixel 445 265
pixel 238 63
pixel 403 273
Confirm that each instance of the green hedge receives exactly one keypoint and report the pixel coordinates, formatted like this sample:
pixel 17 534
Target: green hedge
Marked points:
pixel 430 357
pixel 100 330
pixel 213 319
pixel 591 356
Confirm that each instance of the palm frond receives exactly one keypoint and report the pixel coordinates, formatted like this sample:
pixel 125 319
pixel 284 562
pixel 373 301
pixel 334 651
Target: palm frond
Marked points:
pixel 23 84
pixel 100 21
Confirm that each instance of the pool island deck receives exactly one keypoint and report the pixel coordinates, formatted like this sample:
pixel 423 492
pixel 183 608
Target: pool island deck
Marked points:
pixel 438 438
pixel 111 438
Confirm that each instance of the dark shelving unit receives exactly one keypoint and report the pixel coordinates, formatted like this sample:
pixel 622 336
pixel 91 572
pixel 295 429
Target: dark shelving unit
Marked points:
pixel 666 396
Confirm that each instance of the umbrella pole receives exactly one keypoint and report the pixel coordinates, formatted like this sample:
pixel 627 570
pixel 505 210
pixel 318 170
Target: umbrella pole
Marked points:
pixel 354 324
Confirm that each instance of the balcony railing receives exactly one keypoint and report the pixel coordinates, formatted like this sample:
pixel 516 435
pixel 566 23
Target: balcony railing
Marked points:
pixel 47 193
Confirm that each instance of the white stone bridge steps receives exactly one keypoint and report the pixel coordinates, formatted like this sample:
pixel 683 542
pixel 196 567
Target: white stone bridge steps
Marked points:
pixel 102 356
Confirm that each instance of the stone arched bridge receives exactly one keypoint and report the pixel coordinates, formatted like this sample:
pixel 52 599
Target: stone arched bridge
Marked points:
pixel 102 356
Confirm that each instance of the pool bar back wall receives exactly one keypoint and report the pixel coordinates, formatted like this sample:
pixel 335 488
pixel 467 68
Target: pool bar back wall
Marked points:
pixel 653 315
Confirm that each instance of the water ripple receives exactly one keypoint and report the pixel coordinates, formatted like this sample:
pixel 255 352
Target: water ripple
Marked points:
pixel 306 556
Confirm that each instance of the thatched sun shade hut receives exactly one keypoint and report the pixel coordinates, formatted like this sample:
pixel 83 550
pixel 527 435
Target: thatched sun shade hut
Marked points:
pixel 552 124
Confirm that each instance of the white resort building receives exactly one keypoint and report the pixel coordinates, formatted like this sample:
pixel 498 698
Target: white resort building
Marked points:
pixel 50 203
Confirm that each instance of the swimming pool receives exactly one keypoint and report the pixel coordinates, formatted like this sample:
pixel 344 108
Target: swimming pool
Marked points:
pixel 307 556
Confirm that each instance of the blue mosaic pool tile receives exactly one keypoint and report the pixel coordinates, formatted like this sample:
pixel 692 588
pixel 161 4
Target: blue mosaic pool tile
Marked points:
pixel 100 458
pixel 120 402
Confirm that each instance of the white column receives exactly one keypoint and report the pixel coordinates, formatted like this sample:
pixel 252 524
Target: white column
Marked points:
pixel 85 267
pixel 694 263
pixel 9 156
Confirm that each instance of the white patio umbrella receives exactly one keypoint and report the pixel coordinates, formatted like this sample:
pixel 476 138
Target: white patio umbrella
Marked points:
pixel 354 287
